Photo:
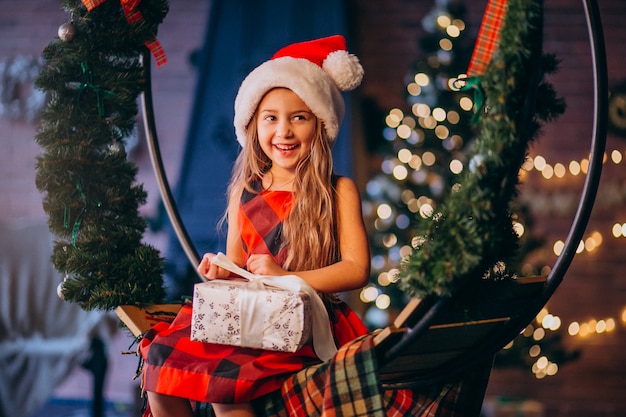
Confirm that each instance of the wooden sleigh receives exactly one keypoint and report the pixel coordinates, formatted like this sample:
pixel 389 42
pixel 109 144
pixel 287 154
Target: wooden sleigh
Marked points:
pixel 437 340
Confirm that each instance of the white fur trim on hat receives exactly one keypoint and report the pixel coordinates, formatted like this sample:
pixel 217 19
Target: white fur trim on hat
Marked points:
pixel 317 71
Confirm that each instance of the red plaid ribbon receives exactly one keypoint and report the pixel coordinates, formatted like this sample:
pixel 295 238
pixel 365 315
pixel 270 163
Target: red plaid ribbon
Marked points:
pixel 488 37
pixel 134 16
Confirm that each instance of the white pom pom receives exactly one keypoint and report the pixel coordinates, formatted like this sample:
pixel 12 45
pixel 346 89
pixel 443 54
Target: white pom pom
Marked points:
pixel 344 68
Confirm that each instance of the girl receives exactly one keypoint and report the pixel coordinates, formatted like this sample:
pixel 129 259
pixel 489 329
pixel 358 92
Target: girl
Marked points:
pixel 288 213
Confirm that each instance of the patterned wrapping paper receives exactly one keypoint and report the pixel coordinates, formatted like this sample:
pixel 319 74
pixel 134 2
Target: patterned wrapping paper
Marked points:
pixel 243 313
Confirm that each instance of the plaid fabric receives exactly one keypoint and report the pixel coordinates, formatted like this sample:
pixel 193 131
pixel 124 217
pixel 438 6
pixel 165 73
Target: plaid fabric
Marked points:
pixel 261 221
pixel 488 37
pixel 348 385
pixel 134 16
pixel 205 372
pixel 92 4
pixel 175 365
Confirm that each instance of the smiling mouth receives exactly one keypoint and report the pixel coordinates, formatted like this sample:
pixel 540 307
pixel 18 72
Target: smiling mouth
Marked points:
pixel 285 148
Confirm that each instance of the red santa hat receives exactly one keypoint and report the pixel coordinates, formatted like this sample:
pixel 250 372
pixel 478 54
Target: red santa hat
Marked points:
pixel 317 71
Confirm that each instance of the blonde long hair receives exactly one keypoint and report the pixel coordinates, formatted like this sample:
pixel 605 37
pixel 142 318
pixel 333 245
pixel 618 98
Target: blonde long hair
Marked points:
pixel 310 227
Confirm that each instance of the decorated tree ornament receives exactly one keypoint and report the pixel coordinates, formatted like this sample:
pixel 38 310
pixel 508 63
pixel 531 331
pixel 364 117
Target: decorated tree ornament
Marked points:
pixel 60 291
pixel 116 148
pixel 60 288
pixel 67 31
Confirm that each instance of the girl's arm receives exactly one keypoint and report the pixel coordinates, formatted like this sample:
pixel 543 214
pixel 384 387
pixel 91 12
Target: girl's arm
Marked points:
pixel 352 271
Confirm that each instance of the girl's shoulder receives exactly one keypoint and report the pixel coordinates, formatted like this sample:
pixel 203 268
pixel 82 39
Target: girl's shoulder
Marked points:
pixel 345 187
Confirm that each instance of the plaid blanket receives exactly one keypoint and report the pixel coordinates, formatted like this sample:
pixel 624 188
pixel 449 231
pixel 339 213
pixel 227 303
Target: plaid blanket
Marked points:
pixel 348 385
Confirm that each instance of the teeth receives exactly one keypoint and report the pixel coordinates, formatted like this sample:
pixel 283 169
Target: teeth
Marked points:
pixel 286 147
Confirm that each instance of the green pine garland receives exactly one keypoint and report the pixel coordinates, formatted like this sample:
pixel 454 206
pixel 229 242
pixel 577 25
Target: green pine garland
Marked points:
pixel 93 75
pixel 471 234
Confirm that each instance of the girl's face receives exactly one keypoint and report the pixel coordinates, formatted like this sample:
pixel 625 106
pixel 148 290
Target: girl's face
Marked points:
pixel 286 128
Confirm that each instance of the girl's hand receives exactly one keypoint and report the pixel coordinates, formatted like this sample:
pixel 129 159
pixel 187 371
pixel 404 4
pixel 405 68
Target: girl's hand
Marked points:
pixel 210 271
pixel 264 265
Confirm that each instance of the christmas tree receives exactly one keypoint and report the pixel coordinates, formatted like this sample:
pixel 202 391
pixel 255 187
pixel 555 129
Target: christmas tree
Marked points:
pixel 422 152
pixel 93 74
pixel 442 210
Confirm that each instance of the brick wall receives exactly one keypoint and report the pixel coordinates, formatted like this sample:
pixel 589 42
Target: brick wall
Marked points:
pixel 593 287
pixel 386 36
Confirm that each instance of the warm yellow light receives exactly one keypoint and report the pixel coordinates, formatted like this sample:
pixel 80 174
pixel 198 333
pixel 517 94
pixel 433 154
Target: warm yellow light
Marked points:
pixel 384 211
pixel 547 172
pixel 542 362
pixel 404 155
pixel 414 89
pixel 453 31
pixel 581 247
pixel 442 132
pixel 403 131
pixel 584 165
pixel 573 329
pixel 574 167
pixel 400 172
pixel 616 156
pixel 597 237
pixel 428 122
pixel 421 110
pixel 539 333
pixel 390 240
pixel 459 23
pixel 368 294
pixel 466 103
pixel 415 162
pixel 444 20
pixel 552 369
pixel 456 166
pixel 518 228
pixel 616 230
pixel 422 79
pixel 429 158
pixel 445 44
pixel 558 246
pixel 394 274
pixel 426 210
pixel 559 170
pixel 584 330
pixel 534 351
pixel 439 114
pixel 590 244
pixel 539 163
pixel 383 279
pixel 453 117
pixel 610 325
pixel 383 301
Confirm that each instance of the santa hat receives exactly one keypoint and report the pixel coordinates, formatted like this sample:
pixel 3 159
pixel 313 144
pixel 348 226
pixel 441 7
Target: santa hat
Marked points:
pixel 317 71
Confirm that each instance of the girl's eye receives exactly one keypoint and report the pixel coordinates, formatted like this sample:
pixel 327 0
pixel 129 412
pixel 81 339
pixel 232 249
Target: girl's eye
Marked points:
pixel 270 118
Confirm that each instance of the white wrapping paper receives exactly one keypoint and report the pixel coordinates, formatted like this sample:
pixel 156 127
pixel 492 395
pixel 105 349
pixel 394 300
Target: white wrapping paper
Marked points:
pixel 277 313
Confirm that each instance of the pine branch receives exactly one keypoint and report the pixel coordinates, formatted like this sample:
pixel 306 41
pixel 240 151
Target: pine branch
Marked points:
pixel 93 76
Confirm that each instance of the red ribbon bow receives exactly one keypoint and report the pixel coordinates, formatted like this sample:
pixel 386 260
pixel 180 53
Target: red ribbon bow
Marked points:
pixel 488 37
pixel 134 16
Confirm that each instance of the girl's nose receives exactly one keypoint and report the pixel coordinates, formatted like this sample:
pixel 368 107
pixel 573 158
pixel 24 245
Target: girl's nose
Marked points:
pixel 283 129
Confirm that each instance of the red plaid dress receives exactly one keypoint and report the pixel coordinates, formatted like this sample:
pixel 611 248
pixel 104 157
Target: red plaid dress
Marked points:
pixel 211 373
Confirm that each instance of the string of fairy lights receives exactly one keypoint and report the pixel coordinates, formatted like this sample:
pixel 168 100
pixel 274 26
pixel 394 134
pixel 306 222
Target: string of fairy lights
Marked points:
pixel 413 163
pixel 408 165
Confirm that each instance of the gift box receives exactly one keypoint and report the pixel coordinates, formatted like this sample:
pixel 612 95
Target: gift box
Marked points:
pixel 241 313
pixel 279 313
